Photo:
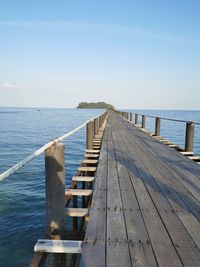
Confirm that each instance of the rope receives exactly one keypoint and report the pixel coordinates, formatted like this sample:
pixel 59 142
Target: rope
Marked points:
pixel 168 119
pixel 38 152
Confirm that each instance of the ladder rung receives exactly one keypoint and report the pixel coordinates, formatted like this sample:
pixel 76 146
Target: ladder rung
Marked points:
pixel 76 212
pixel 92 151
pixel 98 136
pixel 97 140
pixel 96 147
pixel 173 145
pixel 187 153
pixel 89 161
pixel 87 169
pixel 83 179
pixel 194 157
pixel 168 143
pixel 78 192
pixel 58 246
pixel 164 140
pixel 91 156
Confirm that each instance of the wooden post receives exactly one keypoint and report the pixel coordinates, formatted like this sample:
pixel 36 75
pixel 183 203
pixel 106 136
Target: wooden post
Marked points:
pixel 104 117
pixel 55 196
pixel 96 126
pixel 143 121
pixel 189 136
pixel 100 121
pixel 89 134
pixel 157 127
pixel 131 117
pixel 136 118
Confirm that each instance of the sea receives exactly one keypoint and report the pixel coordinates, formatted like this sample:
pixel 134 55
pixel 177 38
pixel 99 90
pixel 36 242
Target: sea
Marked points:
pixel 22 195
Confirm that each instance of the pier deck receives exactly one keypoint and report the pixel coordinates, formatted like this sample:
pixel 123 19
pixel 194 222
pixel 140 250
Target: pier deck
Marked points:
pixel 146 204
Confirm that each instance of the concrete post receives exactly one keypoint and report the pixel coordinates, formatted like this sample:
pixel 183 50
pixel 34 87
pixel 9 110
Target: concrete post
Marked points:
pixel 89 134
pixel 143 121
pixel 96 126
pixel 131 116
pixel 136 118
pixel 55 196
pixel 189 136
pixel 100 121
pixel 157 127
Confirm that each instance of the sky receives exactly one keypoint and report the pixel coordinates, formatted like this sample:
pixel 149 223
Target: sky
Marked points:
pixel 133 54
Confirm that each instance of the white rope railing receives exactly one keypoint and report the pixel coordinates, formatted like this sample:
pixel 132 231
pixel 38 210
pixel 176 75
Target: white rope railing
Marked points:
pixel 38 152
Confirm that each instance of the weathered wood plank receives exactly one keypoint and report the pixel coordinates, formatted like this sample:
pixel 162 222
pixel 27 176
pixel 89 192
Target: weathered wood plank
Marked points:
pixel 92 151
pixel 87 169
pixel 83 179
pixel 146 202
pixel 162 245
pixel 91 156
pixel 78 192
pixel 95 238
pixel 186 247
pixel 58 246
pixel 117 249
pixel 76 212
pixel 89 161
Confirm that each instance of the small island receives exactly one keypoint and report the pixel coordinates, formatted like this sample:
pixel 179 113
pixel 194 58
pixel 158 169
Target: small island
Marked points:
pixel 97 105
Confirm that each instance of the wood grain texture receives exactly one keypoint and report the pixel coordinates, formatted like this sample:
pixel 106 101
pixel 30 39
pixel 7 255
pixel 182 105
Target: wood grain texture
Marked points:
pixel 146 202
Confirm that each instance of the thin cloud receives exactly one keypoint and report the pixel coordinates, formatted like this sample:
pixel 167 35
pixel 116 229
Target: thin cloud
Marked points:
pixel 118 29
pixel 11 85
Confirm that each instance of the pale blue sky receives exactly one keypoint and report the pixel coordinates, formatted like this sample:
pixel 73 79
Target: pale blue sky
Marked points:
pixel 133 54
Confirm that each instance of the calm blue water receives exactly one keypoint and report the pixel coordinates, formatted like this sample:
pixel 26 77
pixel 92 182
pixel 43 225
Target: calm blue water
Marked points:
pixel 22 198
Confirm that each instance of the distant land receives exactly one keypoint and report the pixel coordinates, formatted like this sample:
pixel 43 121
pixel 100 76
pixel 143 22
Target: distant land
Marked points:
pixel 94 105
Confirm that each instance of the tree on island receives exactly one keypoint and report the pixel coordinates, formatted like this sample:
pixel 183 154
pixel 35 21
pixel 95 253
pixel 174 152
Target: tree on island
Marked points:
pixel 98 105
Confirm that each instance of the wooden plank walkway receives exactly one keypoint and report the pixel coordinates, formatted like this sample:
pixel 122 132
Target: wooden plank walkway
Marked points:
pixel 146 204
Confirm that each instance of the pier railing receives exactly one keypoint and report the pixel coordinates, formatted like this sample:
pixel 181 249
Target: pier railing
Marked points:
pixel 57 198
pixel 93 122
pixel 189 126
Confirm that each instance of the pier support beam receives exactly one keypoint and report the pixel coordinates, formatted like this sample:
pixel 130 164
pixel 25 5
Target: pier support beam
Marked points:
pixel 55 196
pixel 89 134
pixel 157 127
pixel 143 121
pixel 189 136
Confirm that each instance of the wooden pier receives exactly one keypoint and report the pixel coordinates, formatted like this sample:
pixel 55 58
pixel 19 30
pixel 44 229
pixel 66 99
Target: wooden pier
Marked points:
pixel 139 199
pixel 145 208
